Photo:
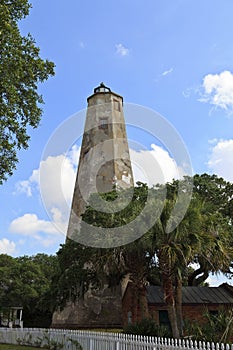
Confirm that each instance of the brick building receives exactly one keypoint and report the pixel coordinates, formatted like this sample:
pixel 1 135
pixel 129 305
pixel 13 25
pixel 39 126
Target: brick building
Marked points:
pixel 195 302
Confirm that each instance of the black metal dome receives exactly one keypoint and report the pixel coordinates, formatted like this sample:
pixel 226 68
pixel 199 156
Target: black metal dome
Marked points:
pixel 102 88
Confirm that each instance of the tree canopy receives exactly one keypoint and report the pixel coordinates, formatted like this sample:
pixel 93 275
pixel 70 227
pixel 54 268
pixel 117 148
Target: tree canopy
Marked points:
pixel 27 281
pixel 21 69
pixel 204 237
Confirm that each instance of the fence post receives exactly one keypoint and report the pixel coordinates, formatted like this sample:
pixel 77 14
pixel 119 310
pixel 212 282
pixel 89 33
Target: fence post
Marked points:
pixel 91 344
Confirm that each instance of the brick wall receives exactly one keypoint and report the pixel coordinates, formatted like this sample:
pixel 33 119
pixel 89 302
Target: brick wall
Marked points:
pixel 131 304
pixel 134 305
pixel 193 312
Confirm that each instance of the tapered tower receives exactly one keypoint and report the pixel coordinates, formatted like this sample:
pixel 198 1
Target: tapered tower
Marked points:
pixel 104 161
pixel 104 164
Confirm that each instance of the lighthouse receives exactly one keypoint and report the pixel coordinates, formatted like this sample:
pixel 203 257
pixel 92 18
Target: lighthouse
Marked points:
pixel 104 166
pixel 104 162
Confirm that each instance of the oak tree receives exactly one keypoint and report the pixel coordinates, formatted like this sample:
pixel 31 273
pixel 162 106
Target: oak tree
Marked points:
pixel 21 70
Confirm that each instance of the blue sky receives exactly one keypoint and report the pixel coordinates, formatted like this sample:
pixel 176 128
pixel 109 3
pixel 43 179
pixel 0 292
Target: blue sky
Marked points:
pixel 172 56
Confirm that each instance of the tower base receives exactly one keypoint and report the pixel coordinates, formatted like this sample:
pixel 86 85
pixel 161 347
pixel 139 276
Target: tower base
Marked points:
pixel 100 308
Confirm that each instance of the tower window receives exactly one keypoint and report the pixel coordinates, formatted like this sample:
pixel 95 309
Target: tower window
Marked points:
pixel 103 123
pixel 117 105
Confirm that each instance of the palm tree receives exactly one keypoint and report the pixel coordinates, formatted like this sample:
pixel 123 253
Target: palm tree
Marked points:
pixel 169 253
pixel 175 250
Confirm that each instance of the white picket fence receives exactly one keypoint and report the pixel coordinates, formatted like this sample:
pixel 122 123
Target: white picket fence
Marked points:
pixel 69 340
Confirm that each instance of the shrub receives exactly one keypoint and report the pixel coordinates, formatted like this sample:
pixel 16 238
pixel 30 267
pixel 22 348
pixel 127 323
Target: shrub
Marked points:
pixel 147 327
pixel 217 328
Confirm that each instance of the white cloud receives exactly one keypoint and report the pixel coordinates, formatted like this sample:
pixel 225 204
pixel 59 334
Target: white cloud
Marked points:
pixel 44 233
pixel 55 179
pixel 217 280
pixel 121 50
pixel 29 224
pixel 163 74
pixel 218 90
pixel 213 141
pixel 221 160
pixel 153 166
pixel 24 187
pixel 166 72
pixel 187 92
pixel 7 247
pixel 28 186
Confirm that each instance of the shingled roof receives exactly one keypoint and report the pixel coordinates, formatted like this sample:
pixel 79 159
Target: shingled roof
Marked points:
pixel 195 295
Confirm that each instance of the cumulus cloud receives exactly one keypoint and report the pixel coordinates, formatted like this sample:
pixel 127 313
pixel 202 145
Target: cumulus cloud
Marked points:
pixel 45 233
pixel 7 247
pixel 218 90
pixel 29 224
pixel 121 50
pixel 164 167
pixel 221 160
pixel 55 174
pixel 54 179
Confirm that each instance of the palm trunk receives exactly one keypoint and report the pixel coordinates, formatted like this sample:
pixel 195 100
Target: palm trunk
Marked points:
pixel 173 321
pixel 171 308
pixel 141 309
pixel 179 305
pixel 169 296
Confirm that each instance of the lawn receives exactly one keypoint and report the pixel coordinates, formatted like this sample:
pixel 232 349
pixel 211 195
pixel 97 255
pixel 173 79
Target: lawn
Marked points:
pixel 16 347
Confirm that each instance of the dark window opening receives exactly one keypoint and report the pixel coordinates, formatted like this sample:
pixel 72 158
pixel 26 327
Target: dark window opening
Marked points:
pixel 213 314
pixel 164 319
pixel 103 123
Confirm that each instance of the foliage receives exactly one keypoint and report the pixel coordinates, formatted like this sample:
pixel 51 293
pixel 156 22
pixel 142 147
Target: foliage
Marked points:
pixel 76 344
pixel 75 273
pixel 46 341
pixel 123 216
pixel 50 344
pixel 215 198
pixel 21 69
pixel 204 236
pixel 147 327
pixel 26 281
pixel 77 270
pixel 217 328
pixel 216 192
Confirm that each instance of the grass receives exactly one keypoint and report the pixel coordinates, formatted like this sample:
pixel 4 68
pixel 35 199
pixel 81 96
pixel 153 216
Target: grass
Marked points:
pixel 16 347
pixel 107 330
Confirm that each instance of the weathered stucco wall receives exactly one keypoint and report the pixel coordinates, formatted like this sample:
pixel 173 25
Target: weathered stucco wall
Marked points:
pixel 98 309
pixel 104 158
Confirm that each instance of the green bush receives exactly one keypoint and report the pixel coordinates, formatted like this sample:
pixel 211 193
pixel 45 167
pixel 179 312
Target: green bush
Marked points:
pixel 217 328
pixel 147 327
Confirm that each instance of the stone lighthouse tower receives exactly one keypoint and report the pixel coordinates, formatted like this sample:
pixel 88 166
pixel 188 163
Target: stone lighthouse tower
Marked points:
pixel 104 161
pixel 104 165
